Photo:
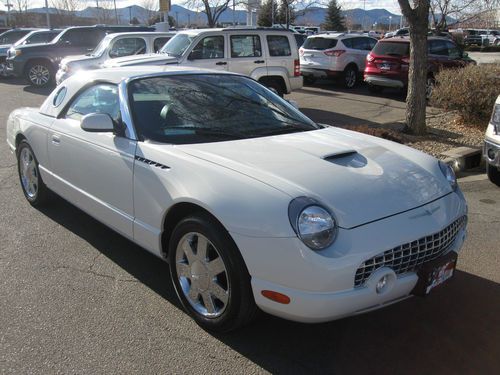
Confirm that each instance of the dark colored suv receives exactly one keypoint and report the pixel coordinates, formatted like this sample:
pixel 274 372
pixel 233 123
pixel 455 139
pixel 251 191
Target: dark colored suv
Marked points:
pixel 387 64
pixel 39 63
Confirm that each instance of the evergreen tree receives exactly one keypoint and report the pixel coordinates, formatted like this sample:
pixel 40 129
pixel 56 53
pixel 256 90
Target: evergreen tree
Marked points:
pixel 266 14
pixel 334 20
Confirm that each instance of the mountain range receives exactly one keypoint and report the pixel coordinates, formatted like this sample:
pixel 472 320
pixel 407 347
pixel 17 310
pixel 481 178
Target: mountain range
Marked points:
pixel 312 16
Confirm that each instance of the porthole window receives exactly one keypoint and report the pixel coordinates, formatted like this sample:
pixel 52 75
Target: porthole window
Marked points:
pixel 59 97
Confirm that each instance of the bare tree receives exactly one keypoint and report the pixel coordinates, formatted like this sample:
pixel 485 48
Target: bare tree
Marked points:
pixel 67 9
pixel 212 8
pixel 151 9
pixel 441 10
pixel 417 15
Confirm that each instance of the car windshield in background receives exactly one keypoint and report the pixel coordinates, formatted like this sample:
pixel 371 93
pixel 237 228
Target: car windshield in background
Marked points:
pixel 177 45
pixel 185 109
pixel 392 49
pixel 10 37
pixel 320 43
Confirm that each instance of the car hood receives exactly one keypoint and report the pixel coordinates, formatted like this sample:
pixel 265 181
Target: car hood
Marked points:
pixel 148 59
pixel 78 59
pixel 359 178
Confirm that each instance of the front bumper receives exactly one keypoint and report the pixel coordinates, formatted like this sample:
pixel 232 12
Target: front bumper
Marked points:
pixel 15 68
pixel 321 284
pixel 296 83
pixel 491 153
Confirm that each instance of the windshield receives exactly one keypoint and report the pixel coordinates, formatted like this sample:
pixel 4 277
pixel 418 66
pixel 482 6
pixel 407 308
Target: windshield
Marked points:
pixel 177 45
pixel 101 47
pixel 185 109
pixel 10 37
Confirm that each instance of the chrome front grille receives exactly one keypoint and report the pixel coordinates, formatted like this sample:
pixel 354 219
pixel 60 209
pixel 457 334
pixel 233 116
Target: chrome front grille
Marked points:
pixel 410 256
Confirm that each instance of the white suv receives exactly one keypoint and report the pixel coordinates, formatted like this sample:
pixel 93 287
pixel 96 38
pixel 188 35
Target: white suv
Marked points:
pixel 335 55
pixel 269 56
pixel 111 47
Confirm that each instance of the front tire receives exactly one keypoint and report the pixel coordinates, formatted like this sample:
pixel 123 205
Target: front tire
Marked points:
pixel 39 73
pixel 209 275
pixel 35 191
pixel 493 174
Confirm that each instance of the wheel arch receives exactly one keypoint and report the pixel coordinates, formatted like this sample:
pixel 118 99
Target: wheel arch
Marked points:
pixel 174 215
pixel 39 59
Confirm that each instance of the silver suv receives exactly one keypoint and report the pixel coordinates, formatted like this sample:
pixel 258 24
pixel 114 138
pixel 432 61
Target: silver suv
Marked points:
pixel 269 56
pixel 335 55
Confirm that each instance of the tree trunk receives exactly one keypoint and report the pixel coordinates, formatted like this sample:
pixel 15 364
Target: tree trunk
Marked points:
pixel 416 103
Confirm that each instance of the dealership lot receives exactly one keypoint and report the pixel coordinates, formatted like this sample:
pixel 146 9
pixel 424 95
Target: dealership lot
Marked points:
pixel 77 297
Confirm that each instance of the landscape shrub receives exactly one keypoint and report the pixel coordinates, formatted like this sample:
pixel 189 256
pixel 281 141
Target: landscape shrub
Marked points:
pixel 482 49
pixel 471 91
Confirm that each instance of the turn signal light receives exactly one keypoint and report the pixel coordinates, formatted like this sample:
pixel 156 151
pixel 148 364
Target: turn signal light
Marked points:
pixel 296 68
pixel 276 297
pixel 370 57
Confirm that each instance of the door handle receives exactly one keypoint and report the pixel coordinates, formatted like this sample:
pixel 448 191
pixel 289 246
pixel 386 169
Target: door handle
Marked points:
pixel 55 139
pixel 221 63
pixel 259 61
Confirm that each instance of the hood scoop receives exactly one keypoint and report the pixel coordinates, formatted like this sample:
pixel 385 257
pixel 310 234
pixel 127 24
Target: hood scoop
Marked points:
pixel 349 158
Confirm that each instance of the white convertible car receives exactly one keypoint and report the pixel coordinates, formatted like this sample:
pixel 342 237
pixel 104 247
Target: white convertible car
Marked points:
pixel 252 204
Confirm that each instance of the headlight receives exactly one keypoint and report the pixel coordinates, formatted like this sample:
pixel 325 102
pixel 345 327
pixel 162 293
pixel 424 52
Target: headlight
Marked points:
pixel 449 173
pixel 314 224
pixel 495 118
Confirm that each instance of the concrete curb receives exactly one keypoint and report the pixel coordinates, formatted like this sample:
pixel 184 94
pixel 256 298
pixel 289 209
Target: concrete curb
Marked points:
pixel 463 158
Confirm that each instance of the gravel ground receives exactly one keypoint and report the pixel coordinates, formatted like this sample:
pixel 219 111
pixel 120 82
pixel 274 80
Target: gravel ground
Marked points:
pixel 444 131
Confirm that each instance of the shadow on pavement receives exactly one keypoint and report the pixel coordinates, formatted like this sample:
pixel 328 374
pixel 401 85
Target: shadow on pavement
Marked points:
pixel 456 329
pixel 333 118
pixel 27 88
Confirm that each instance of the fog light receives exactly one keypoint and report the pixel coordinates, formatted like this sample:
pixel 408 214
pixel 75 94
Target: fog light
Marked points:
pixel 491 154
pixel 381 284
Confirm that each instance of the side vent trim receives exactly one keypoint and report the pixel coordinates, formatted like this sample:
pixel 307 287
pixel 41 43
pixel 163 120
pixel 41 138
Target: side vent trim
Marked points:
pixel 151 162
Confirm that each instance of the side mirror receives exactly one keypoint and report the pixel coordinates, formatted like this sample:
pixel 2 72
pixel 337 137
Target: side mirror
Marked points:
pixel 97 123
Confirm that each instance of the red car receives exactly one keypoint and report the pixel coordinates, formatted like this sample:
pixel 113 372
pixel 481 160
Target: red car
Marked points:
pixel 387 64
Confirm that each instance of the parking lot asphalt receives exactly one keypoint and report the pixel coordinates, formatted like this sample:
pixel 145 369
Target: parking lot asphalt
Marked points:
pixel 76 297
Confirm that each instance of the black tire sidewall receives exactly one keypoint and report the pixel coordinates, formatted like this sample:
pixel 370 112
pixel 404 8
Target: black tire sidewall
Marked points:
pixel 240 297
pixel 493 174
pixel 346 71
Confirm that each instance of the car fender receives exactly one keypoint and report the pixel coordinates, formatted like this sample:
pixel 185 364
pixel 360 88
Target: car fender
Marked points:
pixel 259 72
pixel 279 71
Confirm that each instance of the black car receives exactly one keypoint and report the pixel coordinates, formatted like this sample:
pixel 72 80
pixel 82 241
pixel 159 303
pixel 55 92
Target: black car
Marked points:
pixel 39 63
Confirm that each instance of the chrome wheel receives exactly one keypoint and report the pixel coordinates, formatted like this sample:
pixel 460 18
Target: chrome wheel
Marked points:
pixel 350 78
pixel 29 173
pixel 202 275
pixel 39 75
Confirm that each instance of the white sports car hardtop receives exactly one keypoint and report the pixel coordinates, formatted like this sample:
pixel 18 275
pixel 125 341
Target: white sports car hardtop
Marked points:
pixel 252 204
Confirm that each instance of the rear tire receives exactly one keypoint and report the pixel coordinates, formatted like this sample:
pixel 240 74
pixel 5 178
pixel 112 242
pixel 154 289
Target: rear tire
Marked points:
pixel 493 174
pixel 275 86
pixel 209 275
pixel 34 189
pixel 350 77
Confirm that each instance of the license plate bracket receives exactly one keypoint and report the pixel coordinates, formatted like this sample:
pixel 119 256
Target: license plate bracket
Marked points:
pixel 435 273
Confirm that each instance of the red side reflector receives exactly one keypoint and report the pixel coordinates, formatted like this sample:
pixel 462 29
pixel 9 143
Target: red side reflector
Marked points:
pixel 276 297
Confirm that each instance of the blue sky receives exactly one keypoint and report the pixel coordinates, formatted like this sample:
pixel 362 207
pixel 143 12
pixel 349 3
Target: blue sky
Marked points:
pixel 391 5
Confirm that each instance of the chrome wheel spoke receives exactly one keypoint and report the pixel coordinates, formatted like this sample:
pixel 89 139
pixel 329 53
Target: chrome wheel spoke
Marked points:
pixel 219 293
pixel 208 302
pixel 194 293
pixel 201 248
pixel 183 270
pixel 188 251
pixel 216 266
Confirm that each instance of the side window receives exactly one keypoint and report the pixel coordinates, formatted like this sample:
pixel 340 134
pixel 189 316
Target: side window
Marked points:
pixel 101 98
pixel 160 42
pixel 438 47
pixel 72 37
pixel 127 47
pixel 245 46
pixel 278 45
pixel 453 50
pixel 371 43
pixel 348 42
pixel 210 47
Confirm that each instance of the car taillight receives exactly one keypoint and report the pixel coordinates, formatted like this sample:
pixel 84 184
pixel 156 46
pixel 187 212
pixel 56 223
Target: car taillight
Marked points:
pixel 370 58
pixel 296 68
pixel 334 53
pixel 301 51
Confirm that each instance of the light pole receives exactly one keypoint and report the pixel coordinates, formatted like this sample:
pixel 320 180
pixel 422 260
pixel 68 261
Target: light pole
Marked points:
pixel 390 22
pixel 47 13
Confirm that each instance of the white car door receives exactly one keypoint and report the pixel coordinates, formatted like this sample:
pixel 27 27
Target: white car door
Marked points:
pixel 246 53
pixel 210 53
pixel 94 170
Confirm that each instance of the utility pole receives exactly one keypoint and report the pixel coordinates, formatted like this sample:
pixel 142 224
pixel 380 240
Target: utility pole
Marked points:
pixel 116 13
pixel 130 15
pixel 272 13
pixel 8 5
pixel 98 13
pixel 47 13
pixel 234 13
pixel 364 14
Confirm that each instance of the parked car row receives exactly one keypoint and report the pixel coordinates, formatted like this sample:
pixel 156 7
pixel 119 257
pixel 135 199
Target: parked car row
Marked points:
pixel 382 64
